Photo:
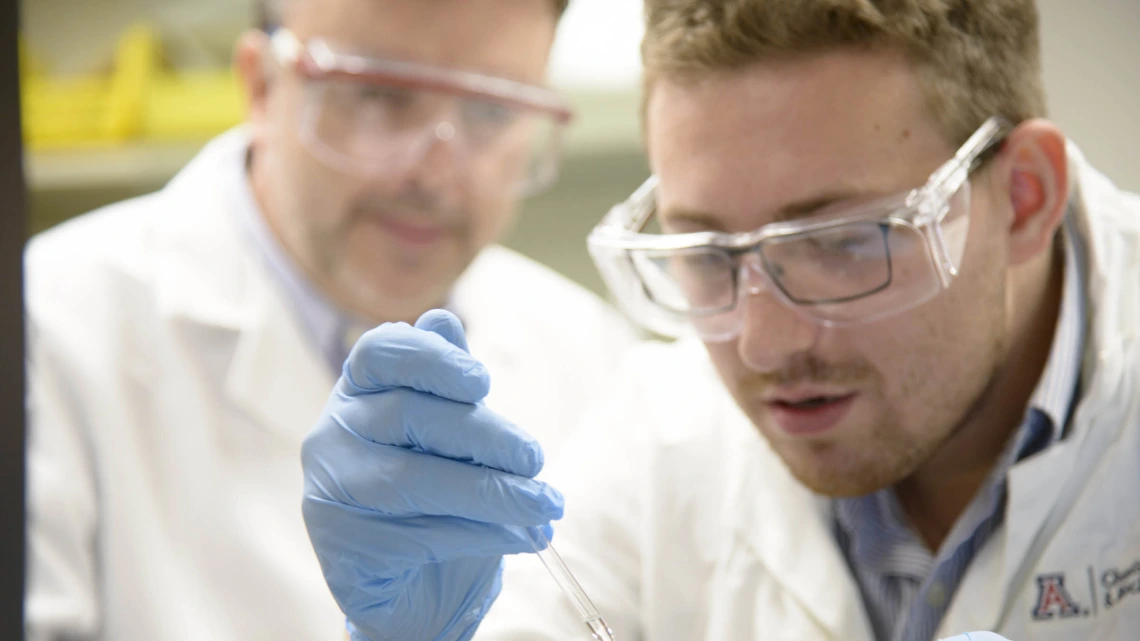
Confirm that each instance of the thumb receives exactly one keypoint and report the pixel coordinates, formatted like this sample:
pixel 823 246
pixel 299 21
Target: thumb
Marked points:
pixel 446 324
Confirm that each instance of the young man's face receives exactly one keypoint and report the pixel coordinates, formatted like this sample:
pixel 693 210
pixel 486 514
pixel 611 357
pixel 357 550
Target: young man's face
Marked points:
pixel 390 245
pixel 741 147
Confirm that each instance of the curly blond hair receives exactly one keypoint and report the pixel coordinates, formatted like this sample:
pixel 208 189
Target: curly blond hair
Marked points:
pixel 973 58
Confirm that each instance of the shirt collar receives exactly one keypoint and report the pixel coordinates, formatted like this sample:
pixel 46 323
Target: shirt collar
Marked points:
pixel 1056 389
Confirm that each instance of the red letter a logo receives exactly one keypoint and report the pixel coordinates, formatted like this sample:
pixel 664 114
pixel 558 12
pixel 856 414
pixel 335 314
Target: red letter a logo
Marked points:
pixel 1053 599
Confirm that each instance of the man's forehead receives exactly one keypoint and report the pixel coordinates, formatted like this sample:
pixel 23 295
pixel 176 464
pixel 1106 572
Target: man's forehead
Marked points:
pixel 509 38
pixel 685 219
pixel 784 140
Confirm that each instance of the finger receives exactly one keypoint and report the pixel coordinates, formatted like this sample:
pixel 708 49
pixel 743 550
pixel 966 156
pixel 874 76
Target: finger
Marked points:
pixel 402 483
pixel 426 423
pixel 398 355
pixel 446 324
pixel 540 536
pixel 388 547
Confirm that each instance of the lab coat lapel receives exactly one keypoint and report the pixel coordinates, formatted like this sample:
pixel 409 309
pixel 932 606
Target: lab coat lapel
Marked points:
pixel 274 375
pixel 1042 489
pixel 787 528
pixel 1033 489
pixel 210 277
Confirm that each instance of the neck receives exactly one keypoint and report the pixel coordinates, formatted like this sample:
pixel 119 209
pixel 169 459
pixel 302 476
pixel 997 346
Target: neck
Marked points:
pixel 937 494
pixel 271 212
pixel 258 175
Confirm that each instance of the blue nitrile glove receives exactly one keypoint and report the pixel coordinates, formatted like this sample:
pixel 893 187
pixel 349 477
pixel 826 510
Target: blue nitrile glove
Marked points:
pixel 977 636
pixel 414 490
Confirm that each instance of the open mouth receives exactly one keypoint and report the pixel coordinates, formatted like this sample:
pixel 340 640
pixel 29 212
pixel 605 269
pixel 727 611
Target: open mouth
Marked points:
pixel 811 403
pixel 417 234
pixel 811 415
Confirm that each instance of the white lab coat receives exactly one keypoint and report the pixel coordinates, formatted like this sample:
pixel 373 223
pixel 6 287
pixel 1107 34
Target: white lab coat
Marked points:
pixel 170 389
pixel 682 524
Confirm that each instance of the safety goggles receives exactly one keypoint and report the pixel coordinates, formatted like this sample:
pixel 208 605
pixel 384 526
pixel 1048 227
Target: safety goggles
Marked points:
pixel 379 117
pixel 848 264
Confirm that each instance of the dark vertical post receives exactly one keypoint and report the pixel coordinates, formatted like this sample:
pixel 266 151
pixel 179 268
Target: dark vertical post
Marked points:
pixel 13 229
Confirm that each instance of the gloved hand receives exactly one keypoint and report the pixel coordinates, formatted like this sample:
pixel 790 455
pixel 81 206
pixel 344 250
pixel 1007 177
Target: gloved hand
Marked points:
pixel 414 490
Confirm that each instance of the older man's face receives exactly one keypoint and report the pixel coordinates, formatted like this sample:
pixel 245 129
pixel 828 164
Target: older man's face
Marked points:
pixel 390 246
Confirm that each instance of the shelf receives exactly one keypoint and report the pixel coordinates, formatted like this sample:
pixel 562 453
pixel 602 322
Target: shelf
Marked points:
pixel 112 168
pixel 606 123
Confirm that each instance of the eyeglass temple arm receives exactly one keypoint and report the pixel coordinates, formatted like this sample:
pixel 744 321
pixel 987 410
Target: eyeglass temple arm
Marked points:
pixel 985 141
pixel 636 211
pixel 639 207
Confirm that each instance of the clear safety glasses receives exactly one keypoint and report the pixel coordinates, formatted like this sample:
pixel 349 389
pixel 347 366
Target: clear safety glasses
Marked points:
pixel 379 117
pixel 844 266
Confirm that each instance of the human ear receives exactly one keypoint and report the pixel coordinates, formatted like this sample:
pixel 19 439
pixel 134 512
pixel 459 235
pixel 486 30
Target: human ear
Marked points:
pixel 1032 173
pixel 251 56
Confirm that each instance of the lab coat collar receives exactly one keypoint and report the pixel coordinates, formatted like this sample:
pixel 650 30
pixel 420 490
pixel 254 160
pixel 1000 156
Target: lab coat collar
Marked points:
pixel 210 277
pixel 1043 488
pixel 204 267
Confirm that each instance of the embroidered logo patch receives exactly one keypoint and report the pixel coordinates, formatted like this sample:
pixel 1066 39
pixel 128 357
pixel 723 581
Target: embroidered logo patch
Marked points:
pixel 1053 600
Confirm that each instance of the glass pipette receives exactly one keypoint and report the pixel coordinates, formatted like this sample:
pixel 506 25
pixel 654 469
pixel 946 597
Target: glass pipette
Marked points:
pixel 557 568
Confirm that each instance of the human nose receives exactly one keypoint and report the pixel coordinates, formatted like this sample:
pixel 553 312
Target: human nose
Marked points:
pixel 434 161
pixel 771 329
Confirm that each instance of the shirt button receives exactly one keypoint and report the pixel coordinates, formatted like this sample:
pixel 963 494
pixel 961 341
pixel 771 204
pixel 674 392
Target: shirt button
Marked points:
pixel 936 595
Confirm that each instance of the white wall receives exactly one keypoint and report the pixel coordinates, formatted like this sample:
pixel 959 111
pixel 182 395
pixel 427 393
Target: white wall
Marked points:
pixel 1091 52
pixel 598 44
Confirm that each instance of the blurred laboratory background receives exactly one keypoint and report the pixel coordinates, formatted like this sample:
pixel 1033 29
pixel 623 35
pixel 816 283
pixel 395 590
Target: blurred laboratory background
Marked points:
pixel 119 94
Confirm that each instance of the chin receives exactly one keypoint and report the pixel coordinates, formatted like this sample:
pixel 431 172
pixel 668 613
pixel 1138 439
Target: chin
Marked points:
pixel 378 300
pixel 831 470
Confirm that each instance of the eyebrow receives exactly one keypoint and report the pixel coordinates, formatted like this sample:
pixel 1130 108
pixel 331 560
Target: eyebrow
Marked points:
pixel 794 211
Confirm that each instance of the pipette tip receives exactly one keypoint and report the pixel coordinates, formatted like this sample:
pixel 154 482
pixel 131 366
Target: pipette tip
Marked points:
pixel 600 630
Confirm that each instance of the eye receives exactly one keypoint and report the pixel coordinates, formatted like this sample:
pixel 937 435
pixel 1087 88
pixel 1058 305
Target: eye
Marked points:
pixel 380 96
pixel 863 241
pixel 706 264
pixel 487 118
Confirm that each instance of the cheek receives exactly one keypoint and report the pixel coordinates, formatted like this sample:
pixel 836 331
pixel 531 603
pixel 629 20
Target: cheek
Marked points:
pixel 937 359
pixel 307 192
pixel 324 197
pixel 491 218
pixel 905 351
pixel 936 350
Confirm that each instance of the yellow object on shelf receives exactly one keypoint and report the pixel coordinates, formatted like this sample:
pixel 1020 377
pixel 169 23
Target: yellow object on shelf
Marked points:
pixel 64 113
pixel 135 64
pixel 137 102
pixel 191 106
